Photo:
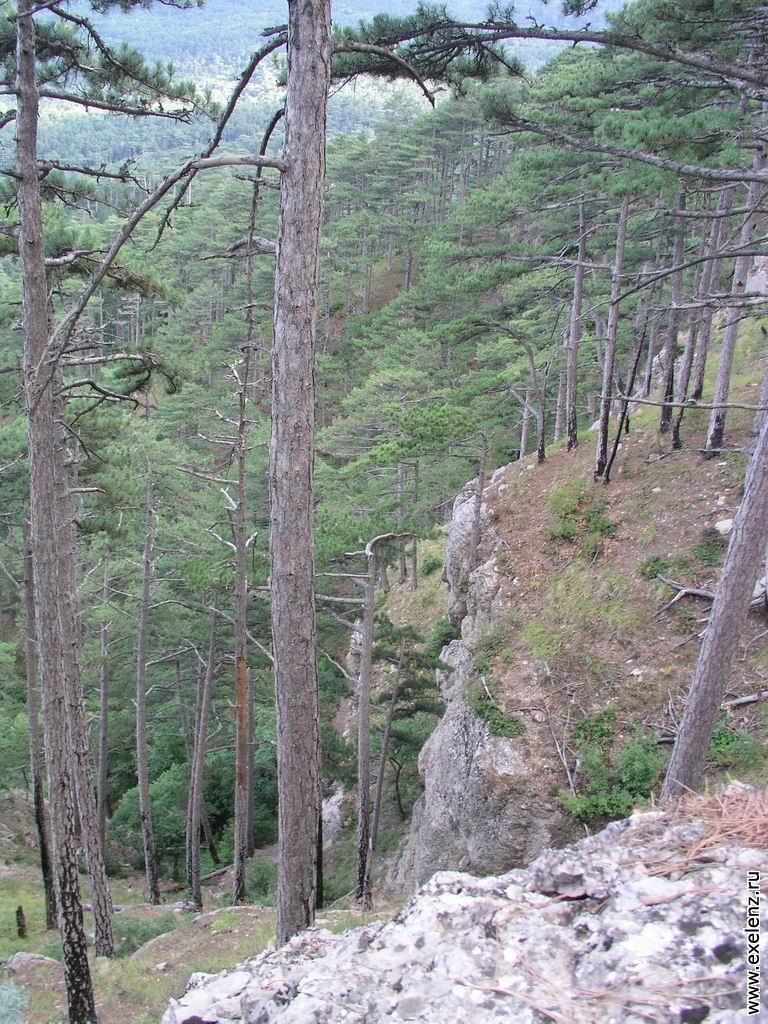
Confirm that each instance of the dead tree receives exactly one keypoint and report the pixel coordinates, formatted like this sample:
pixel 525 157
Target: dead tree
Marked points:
pixel 142 752
pixel 609 358
pixel 195 797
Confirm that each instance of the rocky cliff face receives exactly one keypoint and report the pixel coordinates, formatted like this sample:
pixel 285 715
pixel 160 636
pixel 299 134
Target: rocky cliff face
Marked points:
pixel 642 922
pixel 486 805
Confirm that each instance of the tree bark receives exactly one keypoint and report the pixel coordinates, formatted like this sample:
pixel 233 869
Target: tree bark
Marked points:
pixel 142 753
pixel 743 264
pixel 195 799
pixel 251 785
pixel 385 749
pixel 42 483
pixel 724 204
pixel 103 714
pixel 35 762
pixel 524 431
pixel 559 407
pixel 77 728
pixel 729 610
pixel 292 465
pixel 574 336
pixel 402 573
pixel 415 546
pixel 703 284
pixel 364 894
pixel 477 506
pixel 242 738
pixel 670 347
pixel 609 359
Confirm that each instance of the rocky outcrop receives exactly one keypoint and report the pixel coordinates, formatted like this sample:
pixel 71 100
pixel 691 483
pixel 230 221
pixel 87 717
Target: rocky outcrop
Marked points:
pixel 644 921
pixel 486 805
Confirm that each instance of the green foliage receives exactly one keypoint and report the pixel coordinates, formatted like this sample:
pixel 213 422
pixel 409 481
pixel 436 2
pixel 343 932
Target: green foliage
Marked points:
pixel 132 931
pixel 615 779
pixel 489 647
pixel 655 566
pixel 732 749
pixel 710 548
pixel 443 633
pixel 261 880
pixel 577 513
pixel 431 564
pixel 499 722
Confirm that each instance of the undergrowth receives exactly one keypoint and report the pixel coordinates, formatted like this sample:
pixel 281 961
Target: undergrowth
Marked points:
pixel 615 778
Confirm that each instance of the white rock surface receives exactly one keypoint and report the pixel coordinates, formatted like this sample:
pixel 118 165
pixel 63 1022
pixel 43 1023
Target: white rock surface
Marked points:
pixel 724 526
pixel 630 925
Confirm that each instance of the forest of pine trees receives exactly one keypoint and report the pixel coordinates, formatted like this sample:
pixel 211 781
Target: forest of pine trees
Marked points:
pixel 247 362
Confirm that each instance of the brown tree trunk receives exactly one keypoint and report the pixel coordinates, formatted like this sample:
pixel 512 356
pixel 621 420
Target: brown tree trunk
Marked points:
pixel 402 573
pixel 609 359
pixel 574 335
pixel 743 264
pixel 242 738
pixel 724 204
pixel 364 894
pixel 559 408
pixel 385 749
pixel 670 347
pixel 477 506
pixel 703 283
pixel 292 466
pixel 415 546
pixel 526 425
pixel 77 728
pixel 729 610
pixel 33 703
pixel 142 753
pixel 249 824
pixel 103 767
pixel 42 485
pixel 195 798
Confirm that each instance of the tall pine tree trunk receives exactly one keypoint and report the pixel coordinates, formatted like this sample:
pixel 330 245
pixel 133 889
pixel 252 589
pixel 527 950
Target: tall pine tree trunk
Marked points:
pixel 77 728
pixel 609 358
pixel 103 767
pixel 292 465
pixel 733 314
pixel 363 736
pixel 242 736
pixel 40 403
pixel 670 347
pixel 746 552
pixel 574 335
pixel 142 752
pixel 33 703
pixel 195 798
pixel 724 204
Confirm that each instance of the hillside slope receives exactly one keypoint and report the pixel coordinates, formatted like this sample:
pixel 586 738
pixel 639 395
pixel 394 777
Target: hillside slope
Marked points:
pixel 566 687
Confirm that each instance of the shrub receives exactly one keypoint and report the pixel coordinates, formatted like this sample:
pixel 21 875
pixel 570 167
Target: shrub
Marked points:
pixel 261 880
pixel 731 749
pixel 131 932
pixel 443 632
pixel 489 647
pixel 655 566
pixel 613 784
pixel 710 548
pixel 576 512
pixel 487 708
pixel 430 564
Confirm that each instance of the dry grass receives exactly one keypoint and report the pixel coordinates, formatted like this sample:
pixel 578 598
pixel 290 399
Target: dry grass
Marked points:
pixel 736 815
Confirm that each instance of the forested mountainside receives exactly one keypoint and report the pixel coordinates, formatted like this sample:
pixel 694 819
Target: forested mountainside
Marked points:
pixel 548 281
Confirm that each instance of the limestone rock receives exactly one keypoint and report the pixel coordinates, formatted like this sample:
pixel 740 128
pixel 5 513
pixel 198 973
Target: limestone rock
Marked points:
pixel 641 921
